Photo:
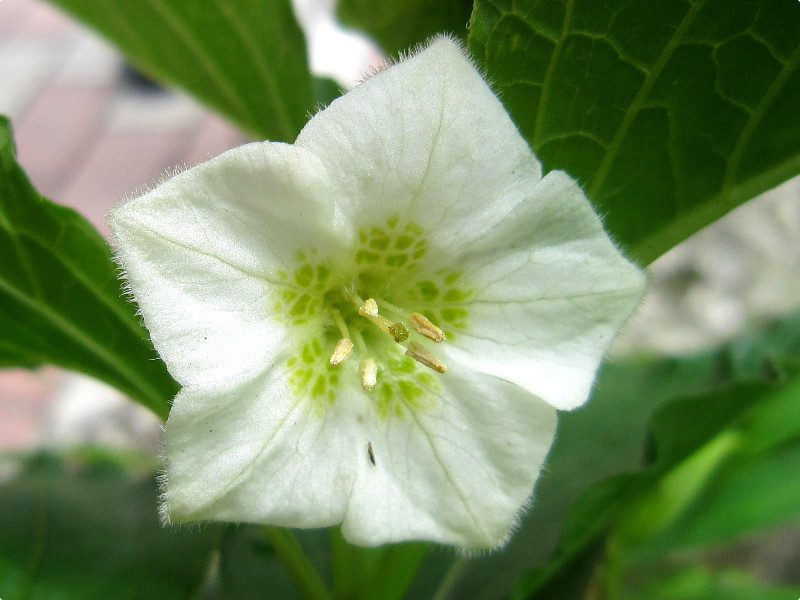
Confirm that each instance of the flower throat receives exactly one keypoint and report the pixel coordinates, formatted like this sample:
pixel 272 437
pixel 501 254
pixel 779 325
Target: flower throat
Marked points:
pixel 362 313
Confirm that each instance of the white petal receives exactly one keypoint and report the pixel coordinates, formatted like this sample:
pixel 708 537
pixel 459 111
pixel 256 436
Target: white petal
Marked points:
pixel 257 453
pixel 202 253
pixel 457 472
pixel 427 140
pixel 549 292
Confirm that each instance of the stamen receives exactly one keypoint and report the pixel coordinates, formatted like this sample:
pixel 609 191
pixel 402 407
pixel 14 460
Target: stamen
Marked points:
pixel 344 348
pixel 337 318
pixel 398 331
pixel 422 356
pixel 423 326
pixel 369 374
pixel 369 308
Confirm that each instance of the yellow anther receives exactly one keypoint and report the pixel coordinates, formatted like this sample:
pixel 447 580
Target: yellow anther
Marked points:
pixel 369 374
pixel 369 308
pixel 344 347
pixel 423 326
pixel 422 356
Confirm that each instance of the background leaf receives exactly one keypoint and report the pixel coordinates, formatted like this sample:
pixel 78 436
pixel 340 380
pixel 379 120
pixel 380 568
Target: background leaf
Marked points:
pixel 398 25
pixel 755 487
pixel 60 297
pixel 699 583
pixel 85 527
pixel 248 564
pixel 668 112
pixel 246 59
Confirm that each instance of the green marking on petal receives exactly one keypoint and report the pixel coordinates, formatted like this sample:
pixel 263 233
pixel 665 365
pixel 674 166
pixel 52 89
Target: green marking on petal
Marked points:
pixel 403 242
pixel 428 290
pixel 455 295
pixel 379 243
pixel 366 257
pixel 451 315
pixel 319 387
pixel 396 260
pixel 304 275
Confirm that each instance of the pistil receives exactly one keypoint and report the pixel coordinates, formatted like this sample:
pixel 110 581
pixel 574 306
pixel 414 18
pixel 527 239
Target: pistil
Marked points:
pixel 397 330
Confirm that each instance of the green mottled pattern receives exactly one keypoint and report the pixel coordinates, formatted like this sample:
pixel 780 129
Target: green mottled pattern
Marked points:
pixel 387 263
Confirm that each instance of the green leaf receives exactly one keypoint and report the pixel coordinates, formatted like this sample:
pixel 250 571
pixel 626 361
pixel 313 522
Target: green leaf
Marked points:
pixel 747 494
pixel 755 487
pixel 699 583
pixel 669 112
pixel 85 527
pixel 397 25
pixel 246 59
pixel 60 296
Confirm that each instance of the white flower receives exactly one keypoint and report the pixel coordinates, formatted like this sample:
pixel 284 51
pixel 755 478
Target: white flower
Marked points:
pixel 255 271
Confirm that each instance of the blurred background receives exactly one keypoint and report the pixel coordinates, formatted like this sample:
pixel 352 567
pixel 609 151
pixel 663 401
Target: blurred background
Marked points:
pixel 90 131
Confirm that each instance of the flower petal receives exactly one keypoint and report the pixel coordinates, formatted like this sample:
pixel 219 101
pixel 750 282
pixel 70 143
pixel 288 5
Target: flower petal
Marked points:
pixel 257 453
pixel 550 293
pixel 204 251
pixel 427 140
pixel 456 472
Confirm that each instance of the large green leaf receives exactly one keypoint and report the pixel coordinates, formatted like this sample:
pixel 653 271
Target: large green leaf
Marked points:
pixel 246 59
pixel 668 112
pixel 60 295
pixel 400 24
pixel 85 528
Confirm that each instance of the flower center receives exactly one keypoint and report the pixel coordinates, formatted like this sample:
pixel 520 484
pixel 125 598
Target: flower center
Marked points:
pixel 396 330
pixel 356 321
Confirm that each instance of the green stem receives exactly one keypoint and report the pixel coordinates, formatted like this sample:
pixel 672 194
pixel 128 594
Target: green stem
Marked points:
pixel 450 578
pixel 296 562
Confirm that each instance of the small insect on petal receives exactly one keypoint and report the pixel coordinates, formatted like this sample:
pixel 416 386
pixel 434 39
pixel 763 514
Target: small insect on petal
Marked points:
pixel 370 453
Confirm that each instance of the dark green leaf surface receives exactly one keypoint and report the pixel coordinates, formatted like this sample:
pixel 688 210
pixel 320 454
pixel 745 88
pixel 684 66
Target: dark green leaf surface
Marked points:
pixel 246 59
pixel 60 297
pixel 397 25
pixel 668 112
pixel 87 529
